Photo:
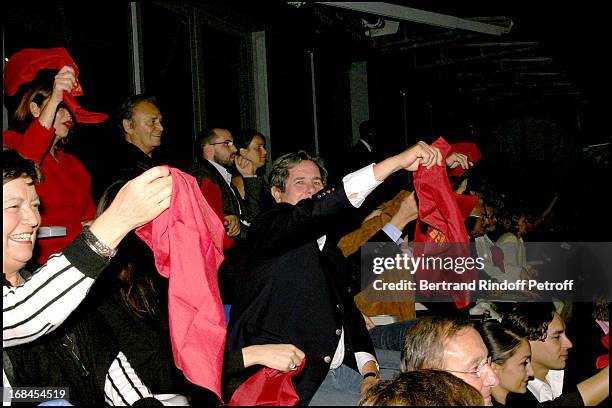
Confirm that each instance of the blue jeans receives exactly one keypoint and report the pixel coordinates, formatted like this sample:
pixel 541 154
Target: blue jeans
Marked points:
pixel 391 336
pixel 341 385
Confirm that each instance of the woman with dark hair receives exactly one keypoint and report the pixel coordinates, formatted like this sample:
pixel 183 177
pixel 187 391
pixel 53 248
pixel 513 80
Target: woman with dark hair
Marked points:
pixel 511 359
pixel 41 124
pixel 251 146
pixel 132 298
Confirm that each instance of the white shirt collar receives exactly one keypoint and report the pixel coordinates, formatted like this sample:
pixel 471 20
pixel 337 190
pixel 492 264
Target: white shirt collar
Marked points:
pixel 367 145
pixel 227 176
pixel 547 392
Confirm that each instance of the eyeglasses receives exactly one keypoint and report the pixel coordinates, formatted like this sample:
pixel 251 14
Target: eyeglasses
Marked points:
pixel 227 143
pixel 478 372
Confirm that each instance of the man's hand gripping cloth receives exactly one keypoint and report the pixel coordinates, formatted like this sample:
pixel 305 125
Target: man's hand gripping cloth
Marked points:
pixel 187 242
pixel 440 230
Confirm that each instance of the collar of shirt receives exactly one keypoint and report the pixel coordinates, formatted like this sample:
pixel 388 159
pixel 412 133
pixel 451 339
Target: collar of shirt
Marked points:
pixel 367 145
pixel 224 173
pixel 321 242
pixel 605 326
pixel 549 390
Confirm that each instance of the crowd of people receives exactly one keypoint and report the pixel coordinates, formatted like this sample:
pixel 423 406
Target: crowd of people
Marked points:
pixel 100 297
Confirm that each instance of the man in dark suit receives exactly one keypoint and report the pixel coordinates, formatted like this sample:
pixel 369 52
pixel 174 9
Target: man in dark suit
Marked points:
pixel 138 149
pixel 219 155
pixel 293 281
pixel 365 151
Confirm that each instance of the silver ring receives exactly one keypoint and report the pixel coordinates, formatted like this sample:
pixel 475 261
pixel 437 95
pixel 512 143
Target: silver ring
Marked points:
pixel 293 367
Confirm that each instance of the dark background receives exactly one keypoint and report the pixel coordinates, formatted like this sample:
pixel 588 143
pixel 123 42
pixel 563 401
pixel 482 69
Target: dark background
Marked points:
pixel 535 136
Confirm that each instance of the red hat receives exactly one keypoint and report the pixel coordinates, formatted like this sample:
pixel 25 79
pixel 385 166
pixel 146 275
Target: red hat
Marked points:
pixel 23 66
pixel 471 150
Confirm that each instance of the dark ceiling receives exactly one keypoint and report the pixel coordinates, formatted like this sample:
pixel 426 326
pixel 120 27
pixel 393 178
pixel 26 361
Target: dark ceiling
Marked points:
pixel 548 53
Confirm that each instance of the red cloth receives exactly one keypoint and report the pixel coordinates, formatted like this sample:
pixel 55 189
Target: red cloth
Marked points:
pixel 187 244
pixel 471 150
pixel 602 361
pixel 267 387
pixel 444 213
pixel 497 255
pixel 214 197
pixel 23 66
pixel 65 192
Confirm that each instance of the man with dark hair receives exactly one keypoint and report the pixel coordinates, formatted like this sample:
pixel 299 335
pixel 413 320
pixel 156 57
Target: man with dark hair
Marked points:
pixel 293 282
pixel 365 151
pixel 140 121
pixel 452 344
pixel 543 327
pixel 218 154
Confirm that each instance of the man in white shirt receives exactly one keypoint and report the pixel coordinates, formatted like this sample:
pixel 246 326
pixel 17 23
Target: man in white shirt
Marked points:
pixel 545 330
pixel 293 286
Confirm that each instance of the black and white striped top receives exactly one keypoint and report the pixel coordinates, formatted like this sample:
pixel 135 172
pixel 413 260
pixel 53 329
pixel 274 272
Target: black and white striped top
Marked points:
pixel 48 297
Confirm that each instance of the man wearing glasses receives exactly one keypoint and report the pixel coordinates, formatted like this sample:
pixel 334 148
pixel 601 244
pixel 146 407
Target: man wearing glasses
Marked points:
pixel 450 343
pixel 219 154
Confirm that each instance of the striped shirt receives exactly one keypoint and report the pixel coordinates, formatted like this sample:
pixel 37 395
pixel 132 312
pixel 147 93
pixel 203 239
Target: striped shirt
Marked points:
pixel 47 298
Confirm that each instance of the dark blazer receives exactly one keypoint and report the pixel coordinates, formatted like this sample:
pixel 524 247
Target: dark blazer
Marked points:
pixel 289 291
pixel 232 201
pixel 125 161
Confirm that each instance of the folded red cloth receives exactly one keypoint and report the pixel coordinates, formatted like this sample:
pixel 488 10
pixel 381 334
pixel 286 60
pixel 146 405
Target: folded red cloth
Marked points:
pixel 23 66
pixel 267 387
pixel 443 212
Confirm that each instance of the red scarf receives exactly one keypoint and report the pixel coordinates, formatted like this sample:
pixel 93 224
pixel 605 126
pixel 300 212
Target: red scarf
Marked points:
pixel 443 212
pixel 187 242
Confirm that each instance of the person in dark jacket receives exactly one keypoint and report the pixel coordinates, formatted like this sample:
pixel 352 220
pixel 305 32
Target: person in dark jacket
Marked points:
pixel 293 284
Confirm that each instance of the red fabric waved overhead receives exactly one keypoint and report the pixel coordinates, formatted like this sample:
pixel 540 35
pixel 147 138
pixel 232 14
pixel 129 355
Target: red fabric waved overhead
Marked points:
pixel 442 213
pixel 268 388
pixel 23 66
pixel 187 242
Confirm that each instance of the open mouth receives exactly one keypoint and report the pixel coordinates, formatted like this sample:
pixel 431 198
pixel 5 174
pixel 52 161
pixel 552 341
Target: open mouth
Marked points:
pixel 23 237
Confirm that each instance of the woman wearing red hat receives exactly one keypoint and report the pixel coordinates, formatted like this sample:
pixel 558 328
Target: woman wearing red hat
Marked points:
pixel 41 123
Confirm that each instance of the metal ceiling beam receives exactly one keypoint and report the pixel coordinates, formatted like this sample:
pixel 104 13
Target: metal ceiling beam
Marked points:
pixel 418 16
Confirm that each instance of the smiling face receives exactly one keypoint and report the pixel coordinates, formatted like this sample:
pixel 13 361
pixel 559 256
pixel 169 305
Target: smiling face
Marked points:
pixel 20 223
pixel 465 351
pixel 515 372
pixel 552 353
pixel 145 129
pixel 303 181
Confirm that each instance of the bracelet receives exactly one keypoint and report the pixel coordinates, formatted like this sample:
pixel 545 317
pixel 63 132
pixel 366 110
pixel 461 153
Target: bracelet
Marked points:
pixel 374 374
pixel 96 245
